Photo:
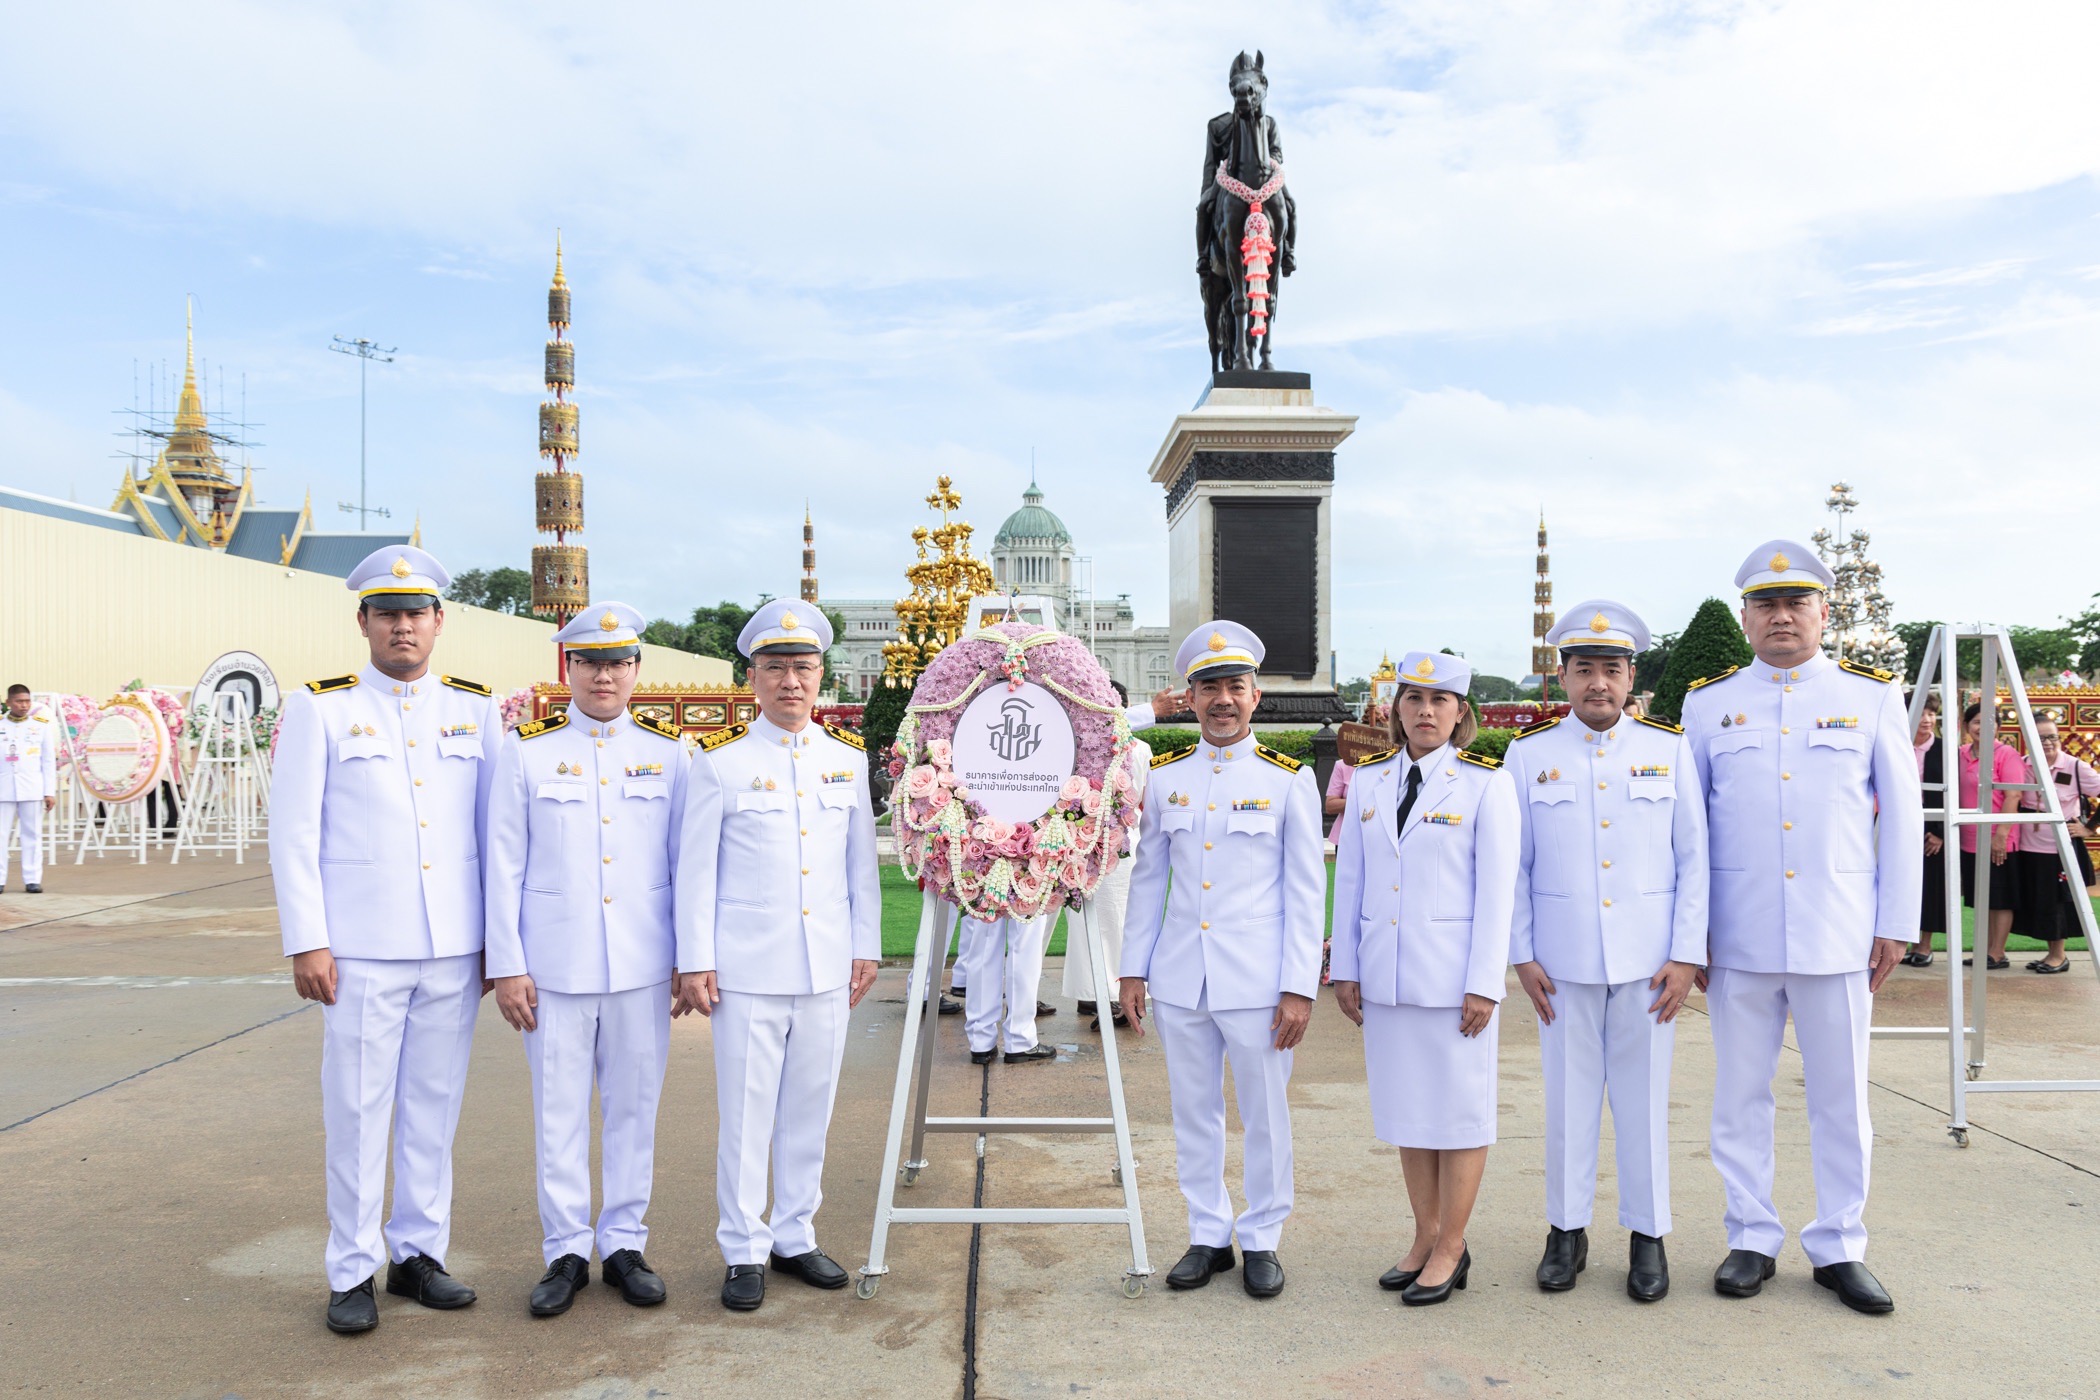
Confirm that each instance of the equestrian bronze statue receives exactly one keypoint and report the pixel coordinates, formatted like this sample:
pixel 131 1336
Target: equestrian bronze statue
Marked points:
pixel 1246 225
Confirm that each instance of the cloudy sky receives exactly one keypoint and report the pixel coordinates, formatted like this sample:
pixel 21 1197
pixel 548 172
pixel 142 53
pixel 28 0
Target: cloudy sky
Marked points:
pixel 1665 270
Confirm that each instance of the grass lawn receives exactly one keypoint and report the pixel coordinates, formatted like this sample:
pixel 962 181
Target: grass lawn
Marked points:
pixel 900 920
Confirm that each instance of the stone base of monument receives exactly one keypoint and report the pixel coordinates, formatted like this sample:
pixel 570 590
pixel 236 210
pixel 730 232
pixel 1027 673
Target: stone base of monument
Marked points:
pixel 1249 476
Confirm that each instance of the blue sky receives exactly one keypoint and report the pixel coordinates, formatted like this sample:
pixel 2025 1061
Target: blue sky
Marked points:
pixel 1666 270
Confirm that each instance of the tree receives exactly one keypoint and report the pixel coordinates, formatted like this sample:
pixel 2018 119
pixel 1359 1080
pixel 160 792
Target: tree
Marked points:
pixel 1649 666
pixel 879 719
pixel 1710 643
pixel 2086 629
pixel 1492 689
pixel 503 590
pixel 2045 651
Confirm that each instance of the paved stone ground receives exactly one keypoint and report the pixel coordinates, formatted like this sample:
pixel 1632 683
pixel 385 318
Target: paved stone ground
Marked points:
pixel 160 1141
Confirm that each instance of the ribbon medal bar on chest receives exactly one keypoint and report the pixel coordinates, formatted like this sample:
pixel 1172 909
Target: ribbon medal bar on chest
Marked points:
pixel 645 770
pixel 1250 804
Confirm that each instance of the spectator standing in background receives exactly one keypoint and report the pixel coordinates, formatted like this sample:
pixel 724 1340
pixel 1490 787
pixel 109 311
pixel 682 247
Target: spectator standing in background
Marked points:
pixel 1932 913
pixel 2006 767
pixel 2042 906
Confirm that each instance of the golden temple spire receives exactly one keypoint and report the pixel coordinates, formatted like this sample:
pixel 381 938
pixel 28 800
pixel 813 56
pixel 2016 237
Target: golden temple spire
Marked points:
pixel 189 408
pixel 559 279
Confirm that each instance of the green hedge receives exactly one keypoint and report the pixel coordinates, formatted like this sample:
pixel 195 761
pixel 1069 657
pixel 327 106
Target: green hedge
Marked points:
pixel 1492 742
pixel 1163 738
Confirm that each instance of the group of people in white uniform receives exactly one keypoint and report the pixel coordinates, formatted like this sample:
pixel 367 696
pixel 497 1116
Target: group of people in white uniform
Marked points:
pixel 601 882
pixel 1766 852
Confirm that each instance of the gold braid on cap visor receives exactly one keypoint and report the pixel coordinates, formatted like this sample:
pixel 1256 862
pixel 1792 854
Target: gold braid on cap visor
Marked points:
pixel 1219 658
pixel 1813 585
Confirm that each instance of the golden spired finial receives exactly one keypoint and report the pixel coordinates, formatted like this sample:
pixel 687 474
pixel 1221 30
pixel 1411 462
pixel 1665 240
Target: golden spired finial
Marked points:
pixel 559 279
pixel 189 408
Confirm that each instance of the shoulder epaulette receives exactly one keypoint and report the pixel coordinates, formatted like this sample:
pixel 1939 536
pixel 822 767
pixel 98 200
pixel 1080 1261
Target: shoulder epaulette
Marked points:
pixel 1872 673
pixel 847 736
pixel 1709 680
pixel 332 683
pixel 658 726
pixel 543 726
pixel 1281 760
pixel 711 742
pixel 1479 760
pixel 1370 758
pixel 471 687
pixel 1541 727
pixel 1664 725
pixel 1161 760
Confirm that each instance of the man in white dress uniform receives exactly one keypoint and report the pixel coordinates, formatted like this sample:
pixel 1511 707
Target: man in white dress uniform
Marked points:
pixel 1231 951
pixel 1812 903
pixel 1608 935
pixel 378 820
pixel 583 841
pixel 779 936
pixel 28 783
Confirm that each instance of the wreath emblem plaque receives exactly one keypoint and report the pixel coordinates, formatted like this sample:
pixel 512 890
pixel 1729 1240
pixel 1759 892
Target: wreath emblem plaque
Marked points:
pixel 1012 773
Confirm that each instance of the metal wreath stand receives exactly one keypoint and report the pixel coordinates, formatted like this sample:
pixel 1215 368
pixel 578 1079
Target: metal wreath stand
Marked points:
pixel 937 919
pixel 1965 1042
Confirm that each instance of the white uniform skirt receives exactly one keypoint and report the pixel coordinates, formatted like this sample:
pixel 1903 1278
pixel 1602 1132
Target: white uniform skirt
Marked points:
pixel 1430 1086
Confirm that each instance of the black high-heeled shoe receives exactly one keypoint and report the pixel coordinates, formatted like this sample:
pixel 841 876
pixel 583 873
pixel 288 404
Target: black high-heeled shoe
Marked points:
pixel 1419 1295
pixel 1395 1279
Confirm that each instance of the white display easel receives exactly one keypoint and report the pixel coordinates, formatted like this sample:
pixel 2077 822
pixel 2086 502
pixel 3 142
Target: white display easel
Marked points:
pixel 228 800
pixel 1965 1042
pixel 936 921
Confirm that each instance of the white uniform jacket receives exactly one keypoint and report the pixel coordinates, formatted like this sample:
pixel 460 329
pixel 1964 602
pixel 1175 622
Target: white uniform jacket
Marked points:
pixel 777 887
pixel 1421 917
pixel 1794 764
pixel 1611 882
pixel 378 810
pixel 583 841
pixel 28 758
pixel 1237 832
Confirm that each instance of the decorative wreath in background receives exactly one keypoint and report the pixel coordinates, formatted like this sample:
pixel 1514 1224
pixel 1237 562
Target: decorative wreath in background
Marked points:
pixel 948 841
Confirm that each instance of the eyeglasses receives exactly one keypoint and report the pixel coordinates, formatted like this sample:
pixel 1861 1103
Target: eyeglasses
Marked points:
pixel 807 670
pixel 584 663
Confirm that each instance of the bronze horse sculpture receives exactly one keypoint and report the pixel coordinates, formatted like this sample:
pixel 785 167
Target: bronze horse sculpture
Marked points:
pixel 1246 224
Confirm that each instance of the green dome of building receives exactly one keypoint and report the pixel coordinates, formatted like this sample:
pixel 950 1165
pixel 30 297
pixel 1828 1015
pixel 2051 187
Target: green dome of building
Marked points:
pixel 1032 522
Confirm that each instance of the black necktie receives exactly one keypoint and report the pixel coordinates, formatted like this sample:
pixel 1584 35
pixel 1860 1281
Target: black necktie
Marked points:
pixel 1407 803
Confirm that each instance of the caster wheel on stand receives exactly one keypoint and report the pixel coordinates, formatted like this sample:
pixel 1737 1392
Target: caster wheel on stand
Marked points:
pixel 1961 1136
pixel 1133 1286
pixel 867 1286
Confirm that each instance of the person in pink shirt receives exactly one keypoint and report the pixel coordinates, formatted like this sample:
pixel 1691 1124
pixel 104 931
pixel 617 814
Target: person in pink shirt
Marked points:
pixel 1932 911
pixel 2007 766
pixel 2042 906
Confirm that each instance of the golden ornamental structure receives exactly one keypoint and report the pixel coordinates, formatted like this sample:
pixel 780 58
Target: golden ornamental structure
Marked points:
pixel 943 582
pixel 561 577
pixel 1543 660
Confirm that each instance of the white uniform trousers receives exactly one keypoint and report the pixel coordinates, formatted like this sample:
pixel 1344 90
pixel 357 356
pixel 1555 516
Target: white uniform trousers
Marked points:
pixel 1603 1038
pixel 1106 907
pixel 966 935
pixel 1832 1014
pixel 1006 973
pixel 1198 1041
pixel 620 1039
pixel 776 1075
pixel 394 1049
pixel 30 814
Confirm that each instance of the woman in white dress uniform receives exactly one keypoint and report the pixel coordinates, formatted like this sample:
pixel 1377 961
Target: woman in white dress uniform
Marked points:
pixel 1424 887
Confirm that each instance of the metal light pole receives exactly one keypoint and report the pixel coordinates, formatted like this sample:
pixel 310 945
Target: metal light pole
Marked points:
pixel 366 352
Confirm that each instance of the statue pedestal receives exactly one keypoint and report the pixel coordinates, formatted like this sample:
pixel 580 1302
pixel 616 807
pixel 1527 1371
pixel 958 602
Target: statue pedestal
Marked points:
pixel 1249 476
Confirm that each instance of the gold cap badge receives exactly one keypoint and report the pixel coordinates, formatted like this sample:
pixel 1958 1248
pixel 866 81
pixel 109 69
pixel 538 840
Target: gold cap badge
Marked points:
pixel 788 622
pixel 401 569
pixel 609 623
pixel 1217 641
pixel 1599 624
pixel 1425 667
pixel 1780 564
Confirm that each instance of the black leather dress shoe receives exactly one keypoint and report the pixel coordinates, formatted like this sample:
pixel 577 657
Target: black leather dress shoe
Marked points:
pixel 1088 1008
pixel 353 1310
pixel 1421 1295
pixel 1199 1264
pixel 1743 1273
pixel 1648 1276
pixel 951 1007
pixel 32 889
pixel 1397 1278
pixel 1031 1055
pixel 983 1057
pixel 1044 1008
pixel 556 1290
pixel 422 1278
pixel 1567 1254
pixel 814 1268
pixel 1860 1290
pixel 626 1270
pixel 1262 1275
pixel 744 1287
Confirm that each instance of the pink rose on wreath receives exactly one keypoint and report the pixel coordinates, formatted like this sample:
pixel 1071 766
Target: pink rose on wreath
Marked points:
pixel 1075 789
pixel 896 767
pixel 1091 803
pixel 1019 843
pixel 921 783
pixel 1120 781
pixel 1131 816
pixel 940 753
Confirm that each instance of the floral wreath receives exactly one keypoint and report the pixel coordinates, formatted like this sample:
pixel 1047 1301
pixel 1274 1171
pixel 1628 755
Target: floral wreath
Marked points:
pixel 947 841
